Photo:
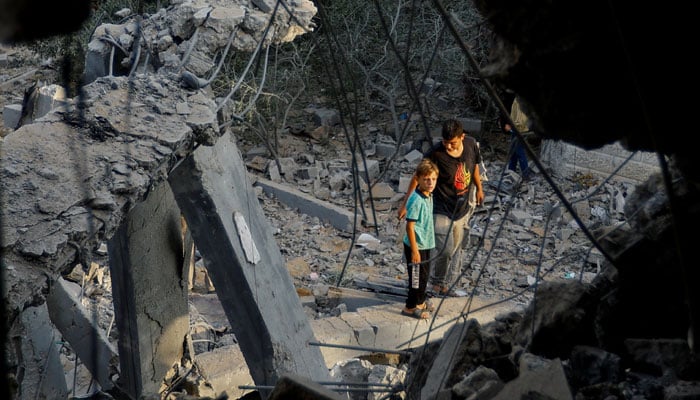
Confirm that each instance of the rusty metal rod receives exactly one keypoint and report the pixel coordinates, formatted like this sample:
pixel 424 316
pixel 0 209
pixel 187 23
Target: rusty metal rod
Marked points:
pixel 347 346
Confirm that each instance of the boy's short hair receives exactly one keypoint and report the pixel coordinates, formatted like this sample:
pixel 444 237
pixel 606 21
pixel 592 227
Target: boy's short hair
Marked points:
pixel 425 167
pixel 451 128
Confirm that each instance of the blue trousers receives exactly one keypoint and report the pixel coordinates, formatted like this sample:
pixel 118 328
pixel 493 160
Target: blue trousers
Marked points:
pixel 518 156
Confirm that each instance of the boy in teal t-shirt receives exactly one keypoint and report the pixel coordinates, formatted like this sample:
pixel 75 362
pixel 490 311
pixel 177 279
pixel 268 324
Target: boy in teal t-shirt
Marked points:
pixel 420 239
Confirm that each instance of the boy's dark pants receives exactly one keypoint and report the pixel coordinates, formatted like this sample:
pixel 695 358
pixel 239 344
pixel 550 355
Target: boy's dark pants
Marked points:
pixel 417 296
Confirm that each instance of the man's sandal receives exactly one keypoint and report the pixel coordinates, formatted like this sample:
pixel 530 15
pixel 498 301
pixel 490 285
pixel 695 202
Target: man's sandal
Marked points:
pixel 415 313
pixel 444 292
pixel 427 305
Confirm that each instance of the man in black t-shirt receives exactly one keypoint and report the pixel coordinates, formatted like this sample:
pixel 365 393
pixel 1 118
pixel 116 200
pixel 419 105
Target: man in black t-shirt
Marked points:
pixel 457 157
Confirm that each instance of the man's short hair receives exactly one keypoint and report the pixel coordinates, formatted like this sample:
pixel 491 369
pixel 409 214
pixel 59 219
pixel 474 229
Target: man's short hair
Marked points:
pixel 451 129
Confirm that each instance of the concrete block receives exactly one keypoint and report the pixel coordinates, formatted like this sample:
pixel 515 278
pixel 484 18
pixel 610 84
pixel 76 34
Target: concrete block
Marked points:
pixel 385 150
pixel 326 117
pixel 405 148
pixel 49 97
pixel 565 159
pixel 404 182
pixel 382 190
pixel 538 377
pixel 413 157
pixel 307 173
pixel 471 125
pixel 338 182
pixel 288 167
pixel 520 217
pixel 96 60
pixel 273 171
pixel 338 167
pixel 372 168
pixel 225 369
pixel 11 114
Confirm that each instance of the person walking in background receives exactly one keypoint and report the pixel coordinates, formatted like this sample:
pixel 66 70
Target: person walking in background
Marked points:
pixel 457 157
pixel 517 155
pixel 419 239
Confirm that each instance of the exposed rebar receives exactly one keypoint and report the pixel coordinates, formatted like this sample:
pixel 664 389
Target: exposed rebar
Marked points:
pixel 347 346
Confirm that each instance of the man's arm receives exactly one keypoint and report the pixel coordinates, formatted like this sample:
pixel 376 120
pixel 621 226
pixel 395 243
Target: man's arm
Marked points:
pixel 411 187
pixel 477 183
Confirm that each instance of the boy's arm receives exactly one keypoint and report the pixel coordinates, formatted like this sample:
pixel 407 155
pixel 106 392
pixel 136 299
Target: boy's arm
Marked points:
pixel 411 233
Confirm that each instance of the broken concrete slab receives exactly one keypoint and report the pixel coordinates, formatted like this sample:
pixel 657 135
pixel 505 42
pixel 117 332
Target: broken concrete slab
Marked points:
pixel 256 292
pixel 299 388
pixel 68 180
pixel 76 325
pixel 392 331
pixel 443 363
pixel 225 369
pixel 539 377
pixel 339 217
pixel 373 327
pixel 149 288
pixel 36 350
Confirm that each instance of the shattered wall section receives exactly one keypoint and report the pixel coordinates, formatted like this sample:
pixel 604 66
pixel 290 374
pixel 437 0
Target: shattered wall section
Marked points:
pixel 193 36
pixel 69 178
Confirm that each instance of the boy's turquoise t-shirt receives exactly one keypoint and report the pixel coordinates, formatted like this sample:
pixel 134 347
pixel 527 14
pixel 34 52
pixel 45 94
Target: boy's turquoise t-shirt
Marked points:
pixel 419 208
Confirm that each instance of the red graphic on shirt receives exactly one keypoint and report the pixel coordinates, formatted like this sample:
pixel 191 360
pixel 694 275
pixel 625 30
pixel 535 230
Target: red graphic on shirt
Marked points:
pixel 462 179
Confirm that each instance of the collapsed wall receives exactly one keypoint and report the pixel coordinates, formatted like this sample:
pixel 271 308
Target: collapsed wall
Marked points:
pixel 69 179
pixel 566 159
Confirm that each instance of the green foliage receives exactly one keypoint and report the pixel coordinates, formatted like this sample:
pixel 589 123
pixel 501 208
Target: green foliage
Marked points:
pixel 69 50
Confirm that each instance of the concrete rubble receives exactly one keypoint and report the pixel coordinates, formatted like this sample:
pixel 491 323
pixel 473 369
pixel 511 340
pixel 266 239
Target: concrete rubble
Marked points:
pixel 123 138
pixel 589 331
pixel 523 211
pixel 527 213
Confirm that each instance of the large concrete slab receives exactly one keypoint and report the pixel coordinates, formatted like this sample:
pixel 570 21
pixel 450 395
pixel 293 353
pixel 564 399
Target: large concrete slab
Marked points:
pixel 149 288
pixel 565 159
pixel 338 217
pixel 444 361
pixel 35 344
pixel 392 331
pixel 374 327
pixel 235 239
pixel 76 326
